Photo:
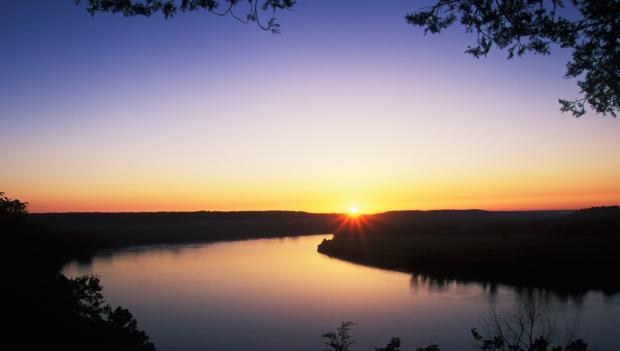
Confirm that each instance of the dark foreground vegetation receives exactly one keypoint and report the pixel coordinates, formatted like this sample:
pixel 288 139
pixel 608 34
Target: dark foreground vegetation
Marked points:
pixel 524 327
pixel 568 252
pixel 46 310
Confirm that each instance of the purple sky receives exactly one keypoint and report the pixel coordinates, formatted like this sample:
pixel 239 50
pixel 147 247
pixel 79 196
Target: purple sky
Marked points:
pixel 349 106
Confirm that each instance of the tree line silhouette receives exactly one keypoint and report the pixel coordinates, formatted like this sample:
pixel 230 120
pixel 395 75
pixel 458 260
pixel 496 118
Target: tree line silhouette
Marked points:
pixel 539 249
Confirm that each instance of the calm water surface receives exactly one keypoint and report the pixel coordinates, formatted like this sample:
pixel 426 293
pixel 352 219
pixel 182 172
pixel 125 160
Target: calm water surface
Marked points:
pixel 280 294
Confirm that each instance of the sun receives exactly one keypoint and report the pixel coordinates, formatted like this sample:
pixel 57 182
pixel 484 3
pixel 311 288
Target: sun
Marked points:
pixel 353 211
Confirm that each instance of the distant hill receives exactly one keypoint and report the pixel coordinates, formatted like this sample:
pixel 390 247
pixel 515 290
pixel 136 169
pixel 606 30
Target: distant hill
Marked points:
pixel 107 230
pixel 605 213
pixel 468 216
pixel 568 251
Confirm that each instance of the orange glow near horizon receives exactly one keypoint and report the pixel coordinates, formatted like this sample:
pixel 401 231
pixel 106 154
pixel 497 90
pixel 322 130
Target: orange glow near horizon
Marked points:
pixel 145 203
pixel 315 182
pixel 308 121
pixel 486 196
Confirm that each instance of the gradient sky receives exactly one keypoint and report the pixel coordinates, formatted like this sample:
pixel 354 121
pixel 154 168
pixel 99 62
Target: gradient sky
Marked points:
pixel 349 106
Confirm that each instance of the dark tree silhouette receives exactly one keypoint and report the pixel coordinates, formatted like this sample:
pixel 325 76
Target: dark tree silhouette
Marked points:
pixel 521 26
pixel 42 305
pixel 393 345
pixel 116 325
pixel 251 9
pixel 11 209
pixel 339 340
pixel 525 327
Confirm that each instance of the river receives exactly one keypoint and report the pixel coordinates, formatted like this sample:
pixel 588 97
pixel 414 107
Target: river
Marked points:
pixel 281 294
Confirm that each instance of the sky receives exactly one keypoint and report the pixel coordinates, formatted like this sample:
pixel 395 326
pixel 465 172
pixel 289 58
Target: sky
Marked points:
pixel 348 107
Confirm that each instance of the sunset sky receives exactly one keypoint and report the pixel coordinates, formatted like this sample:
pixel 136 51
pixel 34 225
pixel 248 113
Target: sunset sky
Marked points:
pixel 349 106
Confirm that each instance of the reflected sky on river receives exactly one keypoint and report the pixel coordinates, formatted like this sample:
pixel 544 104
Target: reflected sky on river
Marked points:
pixel 280 294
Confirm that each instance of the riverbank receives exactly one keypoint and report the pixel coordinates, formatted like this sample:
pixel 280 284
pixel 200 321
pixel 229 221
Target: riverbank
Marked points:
pixel 567 253
pixel 85 233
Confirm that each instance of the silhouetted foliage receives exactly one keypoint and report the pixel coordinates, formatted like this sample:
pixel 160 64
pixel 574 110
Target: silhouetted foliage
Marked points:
pixel 44 309
pixel 339 340
pixel 393 345
pixel 525 327
pixel 119 326
pixel 12 209
pixel 521 26
pixel 169 8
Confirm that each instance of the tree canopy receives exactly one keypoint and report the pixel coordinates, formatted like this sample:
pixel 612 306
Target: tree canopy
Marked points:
pixel 11 209
pixel 169 8
pixel 522 26
pixel 589 28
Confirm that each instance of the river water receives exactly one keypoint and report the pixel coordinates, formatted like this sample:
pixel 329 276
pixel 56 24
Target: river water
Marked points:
pixel 281 294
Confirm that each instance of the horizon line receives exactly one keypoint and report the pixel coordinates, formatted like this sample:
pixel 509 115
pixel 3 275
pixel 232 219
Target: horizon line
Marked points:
pixel 325 213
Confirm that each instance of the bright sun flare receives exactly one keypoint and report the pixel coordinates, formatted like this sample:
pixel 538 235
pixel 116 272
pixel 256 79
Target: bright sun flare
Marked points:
pixel 353 211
